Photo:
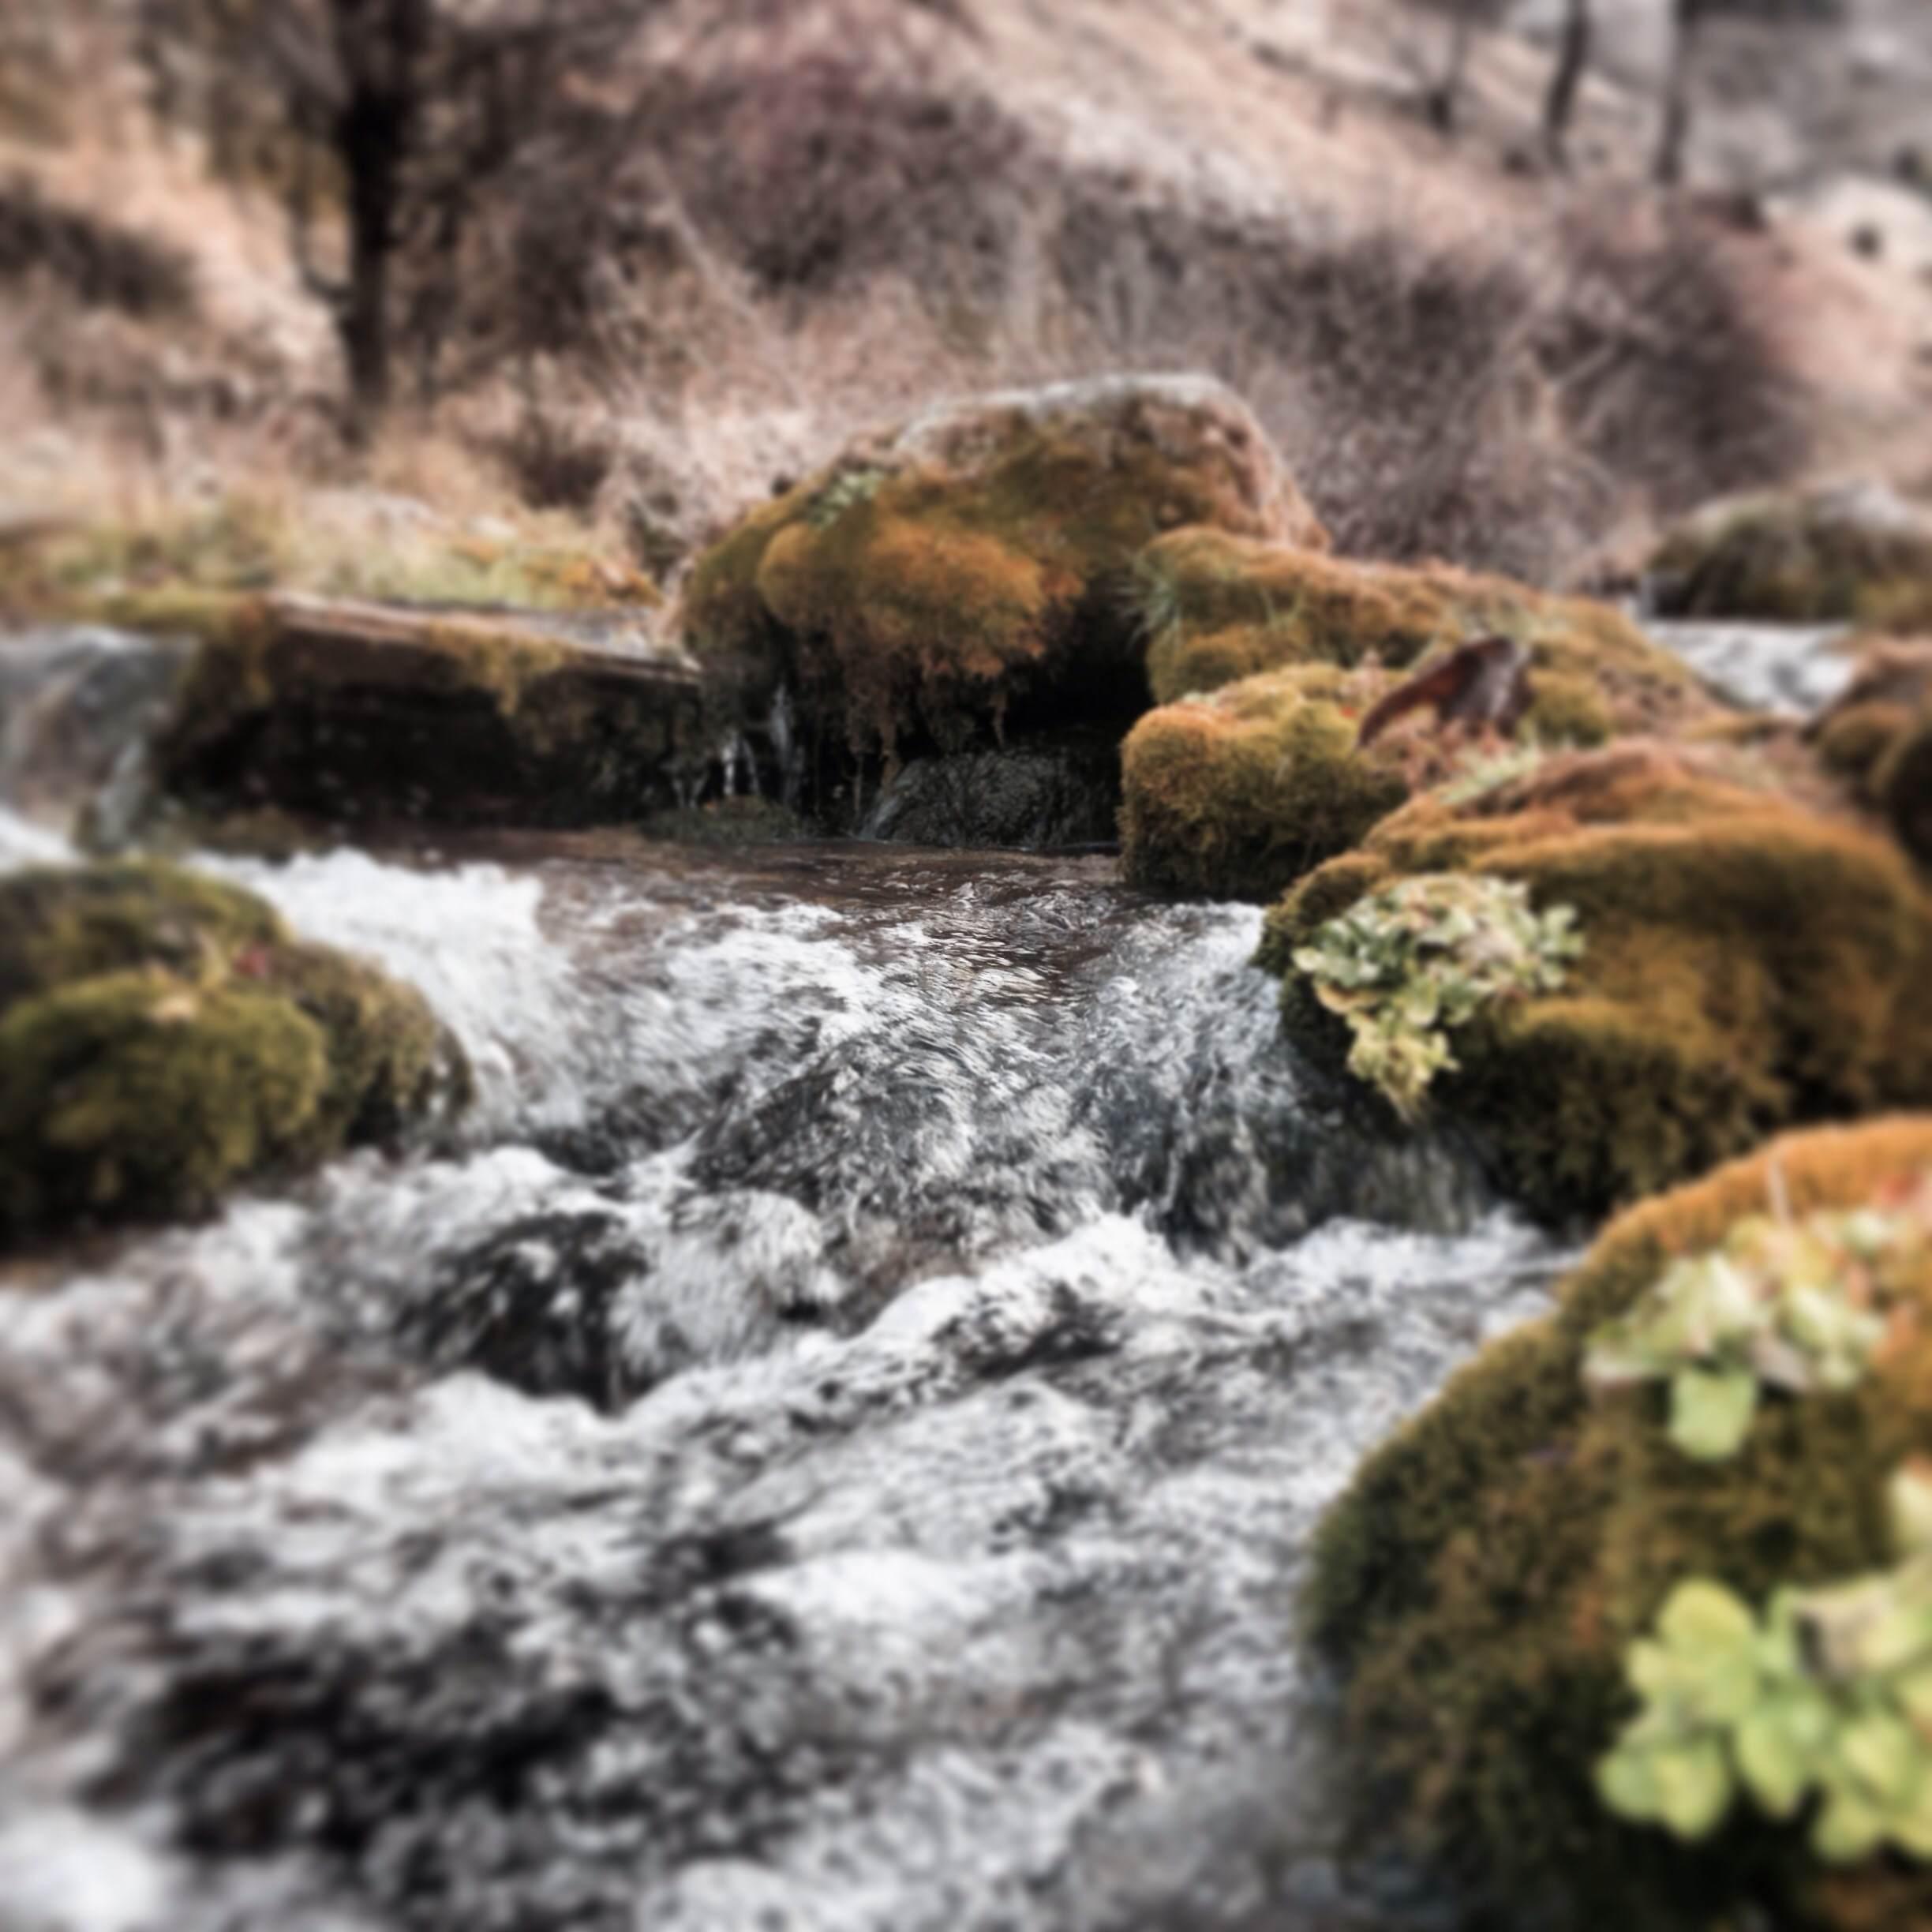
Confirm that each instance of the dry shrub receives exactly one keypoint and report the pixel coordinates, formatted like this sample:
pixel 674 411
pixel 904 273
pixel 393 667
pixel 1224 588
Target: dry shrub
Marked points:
pixel 557 460
pixel 1401 379
pixel 1669 375
pixel 1439 401
pixel 817 174
pixel 99 264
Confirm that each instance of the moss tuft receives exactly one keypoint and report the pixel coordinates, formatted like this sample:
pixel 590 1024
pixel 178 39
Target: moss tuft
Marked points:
pixel 1237 795
pixel 1479 1582
pixel 135 1093
pixel 1748 965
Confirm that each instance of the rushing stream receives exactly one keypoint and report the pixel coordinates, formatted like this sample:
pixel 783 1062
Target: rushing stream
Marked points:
pixel 833 1445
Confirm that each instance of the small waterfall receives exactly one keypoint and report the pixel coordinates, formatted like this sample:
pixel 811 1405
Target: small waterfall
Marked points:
pixel 781 728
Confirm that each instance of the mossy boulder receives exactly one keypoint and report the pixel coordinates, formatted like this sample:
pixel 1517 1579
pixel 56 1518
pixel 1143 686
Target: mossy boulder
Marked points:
pixel 1748 964
pixel 970 572
pixel 1219 606
pixel 163 1036
pixel 1854 553
pixel 1481 1584
pixel 352 711
pixel 1238 791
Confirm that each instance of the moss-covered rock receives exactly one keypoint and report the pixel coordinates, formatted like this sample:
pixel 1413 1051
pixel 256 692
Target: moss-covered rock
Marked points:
pixel 1219 607
pixel 1237 794
pixel 357 711
pixel 972 571
pixel 1481 1582
pixel 1748 964
pixel 163 1036
pixel 1855 554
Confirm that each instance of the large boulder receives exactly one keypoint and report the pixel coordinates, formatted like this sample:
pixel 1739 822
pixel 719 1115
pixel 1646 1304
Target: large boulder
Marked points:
pixel 164 1037
pixel 968 575
pixel 1543 1553
pixel 1857 552
pixel 1746 963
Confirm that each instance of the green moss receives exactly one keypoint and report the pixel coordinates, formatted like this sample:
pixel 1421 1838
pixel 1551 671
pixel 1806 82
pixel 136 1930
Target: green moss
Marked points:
pixel 163 1037
pixel 390 1061
pixel 1236 795
pixel 133 1093
pixel 62 924
pixel 1748 965
pixel 1482 1579
pixel 1220 607
pixel 1799 560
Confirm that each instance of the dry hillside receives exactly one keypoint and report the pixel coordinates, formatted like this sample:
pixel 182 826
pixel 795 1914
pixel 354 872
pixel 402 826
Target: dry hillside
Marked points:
pixel 785 220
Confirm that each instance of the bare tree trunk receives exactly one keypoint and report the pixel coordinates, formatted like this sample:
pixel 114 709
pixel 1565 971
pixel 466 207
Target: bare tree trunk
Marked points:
pixel 380 43
pixel 1685 17
pixel 1444 95
pixel 1573 54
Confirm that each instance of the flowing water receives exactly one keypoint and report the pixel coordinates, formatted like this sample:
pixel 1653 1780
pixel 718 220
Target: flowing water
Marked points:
pixel 833 1444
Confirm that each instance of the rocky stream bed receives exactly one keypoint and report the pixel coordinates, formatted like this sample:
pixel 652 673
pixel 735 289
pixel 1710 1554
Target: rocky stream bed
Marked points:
pixel 831 1441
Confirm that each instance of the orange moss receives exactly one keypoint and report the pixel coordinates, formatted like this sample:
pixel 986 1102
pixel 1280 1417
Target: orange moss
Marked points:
pixel 924 586
pixel 1236 795
pixel 1218 607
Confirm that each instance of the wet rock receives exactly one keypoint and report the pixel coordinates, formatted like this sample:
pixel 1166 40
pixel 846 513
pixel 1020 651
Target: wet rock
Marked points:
pixel 359 712
pixel 77 705
pixel 1043 792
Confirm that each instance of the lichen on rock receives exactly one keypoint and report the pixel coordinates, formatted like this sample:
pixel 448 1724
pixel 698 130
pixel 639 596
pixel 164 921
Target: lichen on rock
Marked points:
pixel 164 1037
pixel 1496 1566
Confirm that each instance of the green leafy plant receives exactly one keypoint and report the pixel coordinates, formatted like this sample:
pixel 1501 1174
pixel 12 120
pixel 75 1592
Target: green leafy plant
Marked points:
pixel 846 491
pixel 1791 1304
pixel 1829 1695
pixel 1405 966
